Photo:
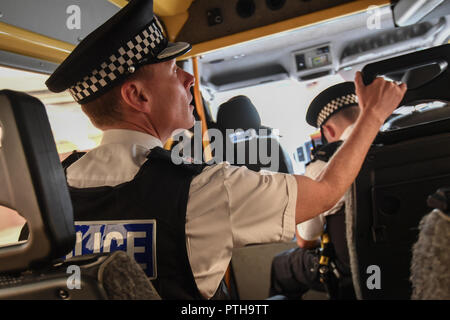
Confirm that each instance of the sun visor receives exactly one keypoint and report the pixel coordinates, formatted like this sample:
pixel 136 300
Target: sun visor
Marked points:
pixel 409 12
pixel 425 72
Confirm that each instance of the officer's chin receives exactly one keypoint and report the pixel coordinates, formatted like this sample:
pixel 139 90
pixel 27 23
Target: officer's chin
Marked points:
pixel 189 124
pixel 181 130
pixel 192 122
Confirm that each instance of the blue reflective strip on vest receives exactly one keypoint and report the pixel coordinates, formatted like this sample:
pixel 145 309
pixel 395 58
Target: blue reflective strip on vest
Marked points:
pixel 137 238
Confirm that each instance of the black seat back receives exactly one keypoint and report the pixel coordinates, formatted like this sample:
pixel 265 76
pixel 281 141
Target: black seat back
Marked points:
pixel 391 192
pixel 246 141
pixel 33 183
pixel 389 197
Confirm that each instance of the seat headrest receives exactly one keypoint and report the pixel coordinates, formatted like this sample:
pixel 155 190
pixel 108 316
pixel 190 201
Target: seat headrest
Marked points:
pixel 426 73
pixel 238 113
pixel 440 200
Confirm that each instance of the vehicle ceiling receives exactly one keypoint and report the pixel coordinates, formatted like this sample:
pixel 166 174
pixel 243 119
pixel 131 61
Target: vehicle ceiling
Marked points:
pixel 239 51
pixel 352 45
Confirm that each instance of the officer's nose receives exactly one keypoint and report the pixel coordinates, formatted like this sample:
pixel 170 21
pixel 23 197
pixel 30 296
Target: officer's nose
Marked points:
pixel 190 80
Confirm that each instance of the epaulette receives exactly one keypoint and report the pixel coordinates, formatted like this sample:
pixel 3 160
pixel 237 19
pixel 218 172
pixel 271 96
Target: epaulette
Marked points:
pixel 74 156
pixel 188 163
pixel 326 151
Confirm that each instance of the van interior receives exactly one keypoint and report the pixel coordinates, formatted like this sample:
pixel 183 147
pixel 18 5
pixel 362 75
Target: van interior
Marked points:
pixel 280 54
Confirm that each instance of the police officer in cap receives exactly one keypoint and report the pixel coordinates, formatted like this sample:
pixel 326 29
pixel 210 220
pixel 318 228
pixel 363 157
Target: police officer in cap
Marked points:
pixel 295 271
pixel 125 77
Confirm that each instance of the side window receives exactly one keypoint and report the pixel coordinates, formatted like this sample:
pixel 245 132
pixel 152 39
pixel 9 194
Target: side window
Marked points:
pixel 11 223
pixel 71 128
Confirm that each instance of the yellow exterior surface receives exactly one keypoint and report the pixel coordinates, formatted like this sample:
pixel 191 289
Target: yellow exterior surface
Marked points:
pixel 174 14
pixel 27 43
pixel 201 111
pixel 171 7
pixel 119 3
pixel 163 8
pixel 174 24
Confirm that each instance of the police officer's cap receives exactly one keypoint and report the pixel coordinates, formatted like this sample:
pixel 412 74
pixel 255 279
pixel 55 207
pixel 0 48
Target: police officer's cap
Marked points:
pixel 330 101
pixel 128 40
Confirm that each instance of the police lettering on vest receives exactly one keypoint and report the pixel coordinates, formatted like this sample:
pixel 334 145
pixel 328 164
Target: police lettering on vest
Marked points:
pixel 136 237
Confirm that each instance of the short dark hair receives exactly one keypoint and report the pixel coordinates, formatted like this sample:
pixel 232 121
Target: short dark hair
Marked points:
pixel 107 109
pixel 350 113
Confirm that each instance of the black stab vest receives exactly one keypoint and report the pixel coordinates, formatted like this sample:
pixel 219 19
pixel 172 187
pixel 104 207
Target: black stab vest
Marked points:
pixel 338 237
pixel 159 191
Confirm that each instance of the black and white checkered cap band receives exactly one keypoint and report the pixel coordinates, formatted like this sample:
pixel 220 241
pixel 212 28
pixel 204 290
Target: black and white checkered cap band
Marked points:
pixel 334 105
pixel 146 42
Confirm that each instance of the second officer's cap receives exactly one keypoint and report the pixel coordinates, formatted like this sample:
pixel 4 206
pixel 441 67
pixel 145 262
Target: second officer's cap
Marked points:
pixel 330 101
pixel 127 41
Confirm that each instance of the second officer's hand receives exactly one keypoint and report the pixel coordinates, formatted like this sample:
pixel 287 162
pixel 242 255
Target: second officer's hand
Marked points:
pixel 380 98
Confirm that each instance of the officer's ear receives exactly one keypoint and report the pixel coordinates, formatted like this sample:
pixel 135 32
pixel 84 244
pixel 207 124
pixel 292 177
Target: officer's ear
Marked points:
pixel 134 94
pixel 329 132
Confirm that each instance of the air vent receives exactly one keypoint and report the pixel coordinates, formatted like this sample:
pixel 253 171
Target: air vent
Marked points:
pixel 275 4
pixel 245 8
pixel 389 38
pixel 216 61
pixel 392 43
pixel 250 77
pixel 316 75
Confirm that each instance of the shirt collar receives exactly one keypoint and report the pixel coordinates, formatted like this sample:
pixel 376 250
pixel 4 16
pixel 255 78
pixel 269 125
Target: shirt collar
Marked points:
pixel 124 136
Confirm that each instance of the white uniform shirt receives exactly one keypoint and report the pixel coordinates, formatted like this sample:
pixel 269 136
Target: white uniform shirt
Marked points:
pixel 311 229
pixel 228 206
